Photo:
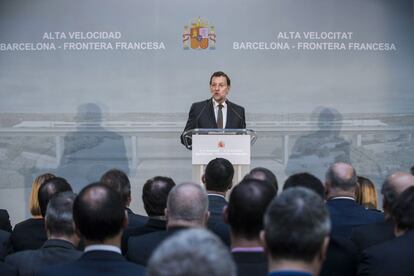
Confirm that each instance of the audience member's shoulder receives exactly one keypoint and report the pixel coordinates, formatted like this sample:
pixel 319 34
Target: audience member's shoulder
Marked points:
pixel 5 221
pixel 7 270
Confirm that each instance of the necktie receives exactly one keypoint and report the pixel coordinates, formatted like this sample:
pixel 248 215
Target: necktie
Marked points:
pixel 220 116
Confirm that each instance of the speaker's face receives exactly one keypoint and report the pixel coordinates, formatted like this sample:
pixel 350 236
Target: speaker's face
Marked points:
pixel 219 88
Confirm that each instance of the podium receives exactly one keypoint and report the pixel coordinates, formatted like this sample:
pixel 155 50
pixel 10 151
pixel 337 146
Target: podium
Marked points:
pixel 231 144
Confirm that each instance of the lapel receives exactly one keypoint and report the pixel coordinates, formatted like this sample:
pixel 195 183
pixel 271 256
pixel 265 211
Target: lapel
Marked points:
pixel 211 115
pixel 229 120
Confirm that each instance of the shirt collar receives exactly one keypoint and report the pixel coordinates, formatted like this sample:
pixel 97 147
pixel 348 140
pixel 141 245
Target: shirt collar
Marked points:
pixel 343 197
pixel 103 247
pixel 215 104
pixel 247 249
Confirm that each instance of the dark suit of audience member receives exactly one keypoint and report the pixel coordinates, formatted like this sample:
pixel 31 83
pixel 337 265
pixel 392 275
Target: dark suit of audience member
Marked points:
pixel 344 211
pixel 8 270
pixel 244 213
pixel 60 247
pixel 99 215
pixel 5 245
pixel 119 181
pixel 205 114
pixel 218 178
pixel 154 195
pixel 368 235
pixel 186 207
pixel 296 232
pixel 394 257
pixel 31 233
pixel 341 258
pixel 5 221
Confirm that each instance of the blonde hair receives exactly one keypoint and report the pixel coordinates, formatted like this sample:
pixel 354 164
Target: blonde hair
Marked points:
pixel 34 201
pixel 366 194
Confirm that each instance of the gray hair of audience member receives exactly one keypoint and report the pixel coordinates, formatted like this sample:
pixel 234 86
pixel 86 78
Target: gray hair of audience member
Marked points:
pixel 195 252
pixel 187 202
pixel 264 174
pixel 342 176
pixel 296 224
pixel 59 214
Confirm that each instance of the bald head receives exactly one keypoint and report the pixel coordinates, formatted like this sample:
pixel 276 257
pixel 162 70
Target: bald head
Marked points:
pixel 187 205
pixel 341 177
pixel 393 186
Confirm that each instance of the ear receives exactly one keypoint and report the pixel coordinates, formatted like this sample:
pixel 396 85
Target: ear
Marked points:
pixel 207 216
pixel 324 249
pixel 203 179
pixel 166 213
pixel 128 200
pixel 226 214
pixel 263 241
pixel 125 222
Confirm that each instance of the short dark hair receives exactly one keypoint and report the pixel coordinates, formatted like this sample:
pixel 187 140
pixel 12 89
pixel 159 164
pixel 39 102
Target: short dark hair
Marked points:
pixel 264 175
pixel 219 175
pixel 345 184
pixel 155 193
pixel 403 210
pixel 305 180
pixel 389 193
pixel 118 180
pixel 296 225
pixel 59 214
pixel 220 74
pixel 98 212
pixel 49 188
pixel 247 205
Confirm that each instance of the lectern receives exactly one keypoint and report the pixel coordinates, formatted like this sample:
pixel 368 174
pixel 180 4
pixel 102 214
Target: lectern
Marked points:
pixel 231 144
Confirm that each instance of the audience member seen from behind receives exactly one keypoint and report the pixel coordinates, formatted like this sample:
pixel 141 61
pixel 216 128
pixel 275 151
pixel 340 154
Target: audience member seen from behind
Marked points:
pixel 154 195
pixel 244 213
pixel 119 181
pixel 366 194
pixel 263 174
pixel 62 238
pixel 394 257
pixel 345 212
pixel 187 207
pixel 100 217
pixel 305 180
pixel 195 252
pixel 296 233
pixel 31 234
pixel 218 180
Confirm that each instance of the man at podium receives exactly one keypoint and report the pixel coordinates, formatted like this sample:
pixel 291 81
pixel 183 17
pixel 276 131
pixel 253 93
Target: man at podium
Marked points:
pixel 217 111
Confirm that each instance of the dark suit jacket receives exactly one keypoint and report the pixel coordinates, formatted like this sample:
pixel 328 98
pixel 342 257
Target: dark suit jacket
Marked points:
pixel 341 258
pixel 135 220
pixel 346 214
pixel 289 273
pixel 202 116
pixel 5 245
pixel 140 248
pixel 152 225
pixel 393 257
pixel 52 252
pixel 250 263
pixel 369 235
pixel 8 270
pixel 97 262
pixel 28 234
pixel 5 221
pixel 216 223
